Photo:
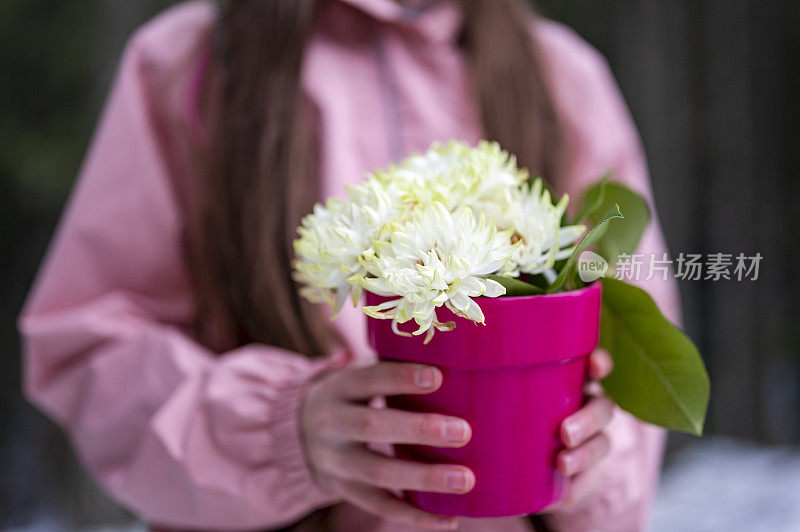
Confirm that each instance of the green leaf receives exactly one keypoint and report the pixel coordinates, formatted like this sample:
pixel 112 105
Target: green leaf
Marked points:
pixel 592 199
pixel 515 287
pixel 622 237
pixel 658 374
pixel 587 240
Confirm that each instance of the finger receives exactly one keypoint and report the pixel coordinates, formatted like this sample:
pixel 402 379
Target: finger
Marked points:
pixel 587 421
pixel 380 503
pixel 377 470
pixel 573 461
pixel 593 388
pixel 385 425
pixel 386 378
pixel 600 364
pixel 579 487
pixel 342 359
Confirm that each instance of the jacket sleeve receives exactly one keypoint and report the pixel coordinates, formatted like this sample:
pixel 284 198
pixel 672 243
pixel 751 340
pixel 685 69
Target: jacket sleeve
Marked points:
pixel 180 435
pixel 602 136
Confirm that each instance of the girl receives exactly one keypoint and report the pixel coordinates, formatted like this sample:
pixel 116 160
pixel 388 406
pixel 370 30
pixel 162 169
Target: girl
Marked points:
pixel 164 332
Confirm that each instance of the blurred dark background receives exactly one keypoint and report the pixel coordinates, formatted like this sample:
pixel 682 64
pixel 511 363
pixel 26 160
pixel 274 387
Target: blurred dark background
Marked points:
pixel 712 84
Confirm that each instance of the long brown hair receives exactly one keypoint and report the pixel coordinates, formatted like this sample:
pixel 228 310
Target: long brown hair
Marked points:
pixel 262 174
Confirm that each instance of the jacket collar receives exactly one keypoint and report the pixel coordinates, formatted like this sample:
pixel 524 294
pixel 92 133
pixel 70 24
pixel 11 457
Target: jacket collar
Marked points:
pixel 437 20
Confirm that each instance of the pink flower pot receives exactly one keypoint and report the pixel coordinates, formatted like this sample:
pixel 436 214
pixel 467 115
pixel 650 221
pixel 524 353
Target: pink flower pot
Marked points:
pixel 514 380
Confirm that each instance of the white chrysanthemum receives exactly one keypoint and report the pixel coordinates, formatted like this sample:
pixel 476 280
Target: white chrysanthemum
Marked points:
pixel 423 231
pixel 435 258
pixel 334 236
pixel 536 224
pixel 458 175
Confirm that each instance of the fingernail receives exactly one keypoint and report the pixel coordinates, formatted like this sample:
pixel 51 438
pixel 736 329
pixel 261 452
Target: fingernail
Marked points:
pixel 605 366
pixel 426 377
pixel 572 430
pixel 455 430
pixel 456 480
pixel 569 463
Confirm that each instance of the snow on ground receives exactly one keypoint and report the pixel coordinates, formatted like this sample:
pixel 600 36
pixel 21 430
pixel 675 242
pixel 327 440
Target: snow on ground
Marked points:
pixel 721 485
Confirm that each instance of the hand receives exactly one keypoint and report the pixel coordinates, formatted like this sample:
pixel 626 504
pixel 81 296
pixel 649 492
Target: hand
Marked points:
pixel 584 437
pixel 336 425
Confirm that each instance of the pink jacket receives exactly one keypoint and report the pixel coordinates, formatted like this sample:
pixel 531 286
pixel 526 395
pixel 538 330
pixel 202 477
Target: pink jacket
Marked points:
pixel 188 439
